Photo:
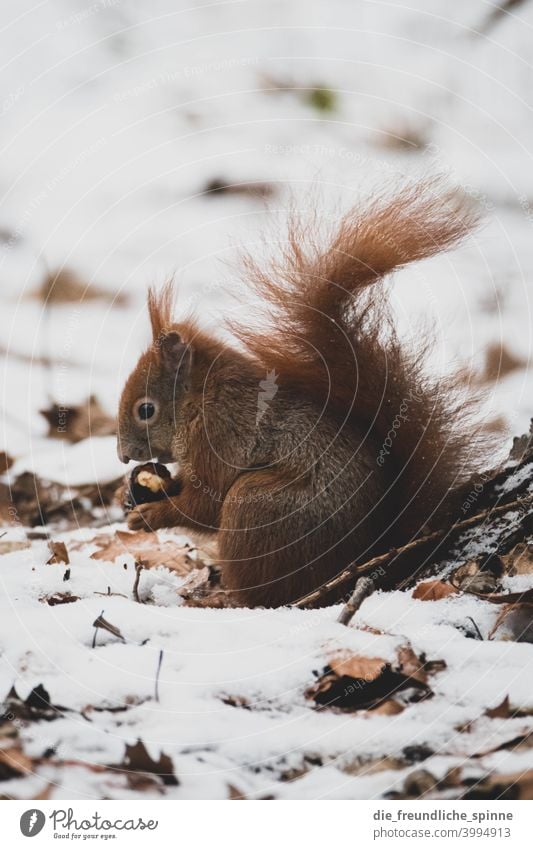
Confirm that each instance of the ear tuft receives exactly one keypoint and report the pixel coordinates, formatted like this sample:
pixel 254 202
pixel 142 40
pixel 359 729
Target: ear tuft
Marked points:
pixel 160 306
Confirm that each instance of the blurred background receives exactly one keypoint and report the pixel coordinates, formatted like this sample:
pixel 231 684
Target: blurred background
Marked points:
pixel 150 139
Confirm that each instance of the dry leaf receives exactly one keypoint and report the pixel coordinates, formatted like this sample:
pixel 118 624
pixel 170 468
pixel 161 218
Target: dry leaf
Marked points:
pixel 388 708
pixel 102 623
pixel 353 682
pixel 519 561
pixel 433 590
pixel 5 462
pixel 14 763
pixel 65 286
pixel 499 362
pixel 517 620
pixel 79 421
pixel 501 711
pixel 7 546
pixel 410 665
pixel 515 785
pixel 59 553
pixel 137 759
pixel 355 666
pixel 147 550
pixel 218 186
pixel 60 598
pixel 37 706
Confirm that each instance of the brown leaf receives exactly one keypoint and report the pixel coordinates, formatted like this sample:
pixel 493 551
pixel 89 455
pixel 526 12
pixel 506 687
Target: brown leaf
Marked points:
pixel 353 682
pixel 7 546
pixel 37 706
pixel 355 666
pixel 499 362
pixel 519 561
pixel 515 785
pixel 59 553
pixel 234 793
pixel 79 421
pixel 217 186
pixel 433 590
pixel 5 462
pixel 388 708
pixel 14 763
pixel 410 665
pixel 60 598
pixel 419 783
pixel 137 759
pixel 501 711
pixel 65 286
pixel 517 620
pixel 102 623
pixel 203 588
pixel 147 550
pixel 477 576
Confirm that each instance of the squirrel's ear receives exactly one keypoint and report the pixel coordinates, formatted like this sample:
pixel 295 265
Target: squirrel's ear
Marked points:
pixel 175 353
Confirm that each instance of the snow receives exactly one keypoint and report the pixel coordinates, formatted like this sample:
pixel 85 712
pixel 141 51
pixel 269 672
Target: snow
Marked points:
pixel 115 116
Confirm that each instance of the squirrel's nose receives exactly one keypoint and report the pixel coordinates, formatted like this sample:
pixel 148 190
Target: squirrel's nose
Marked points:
pixel 122 456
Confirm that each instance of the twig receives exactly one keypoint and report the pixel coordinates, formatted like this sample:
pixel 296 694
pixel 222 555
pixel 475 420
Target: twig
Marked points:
pixel 159 662
pixel 424 546
pixel 363 588
pixel 138 569
pixel 478 632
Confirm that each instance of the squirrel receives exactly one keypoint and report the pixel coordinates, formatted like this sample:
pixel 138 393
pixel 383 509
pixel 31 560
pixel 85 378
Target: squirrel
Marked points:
pixel 319 439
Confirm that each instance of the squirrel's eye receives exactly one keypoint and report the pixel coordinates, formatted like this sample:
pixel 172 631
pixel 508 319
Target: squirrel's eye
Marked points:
pixel 145 411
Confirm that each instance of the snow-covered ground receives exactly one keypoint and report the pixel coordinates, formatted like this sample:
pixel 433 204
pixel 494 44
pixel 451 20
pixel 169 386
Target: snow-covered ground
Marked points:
pixel 115 118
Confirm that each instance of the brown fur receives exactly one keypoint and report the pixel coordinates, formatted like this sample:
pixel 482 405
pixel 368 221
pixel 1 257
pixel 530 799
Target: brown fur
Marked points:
pixel 323 476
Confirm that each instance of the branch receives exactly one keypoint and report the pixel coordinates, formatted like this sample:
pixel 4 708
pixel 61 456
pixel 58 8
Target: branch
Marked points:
pixel 417 550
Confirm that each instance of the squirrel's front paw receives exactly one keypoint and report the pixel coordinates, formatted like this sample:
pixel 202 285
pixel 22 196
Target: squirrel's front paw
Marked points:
pixel 145 517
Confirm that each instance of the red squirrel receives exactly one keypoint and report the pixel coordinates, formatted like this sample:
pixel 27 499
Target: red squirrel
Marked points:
pixel 318 440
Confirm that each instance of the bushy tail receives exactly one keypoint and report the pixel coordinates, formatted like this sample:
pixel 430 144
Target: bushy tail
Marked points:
pixel 331 337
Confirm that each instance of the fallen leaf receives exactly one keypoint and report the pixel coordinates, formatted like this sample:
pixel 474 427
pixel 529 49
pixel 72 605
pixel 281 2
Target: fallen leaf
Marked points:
pixel 433 591
pixel 355 682
pixel 499 362
pixel 511 786
pixel 203 588
pixel 218 185
pixel 355 666
pixel 5 462
pixel 501 711
pixel 59 553
pixel 37 706
pixel 14 763
pixel 388 708
pixel 235 794
pixel 410 665
pixel 59 598
pixel 7 546
pixel 147 550
pixel 478 576
pixel 519 561
pixel 137 759
pixel 418 784
pixel 65 286
pixel 79 421
pixel 102 623
pixel 516 622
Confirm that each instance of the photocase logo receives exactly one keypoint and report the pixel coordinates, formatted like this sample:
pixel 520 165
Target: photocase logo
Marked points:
pixel 32 822
pixel 267 390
